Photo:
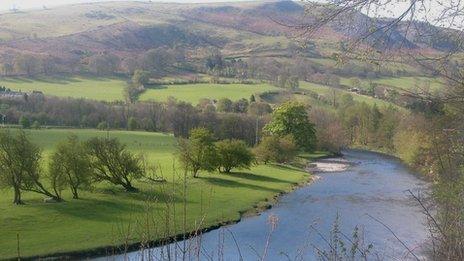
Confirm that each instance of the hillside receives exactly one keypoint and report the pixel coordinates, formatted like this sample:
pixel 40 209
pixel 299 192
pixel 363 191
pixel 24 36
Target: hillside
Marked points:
pixel 75 32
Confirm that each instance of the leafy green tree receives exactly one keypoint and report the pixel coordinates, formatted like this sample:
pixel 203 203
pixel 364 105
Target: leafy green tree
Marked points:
pixel 240 106
pixel 20 166
pixel 224 105
pixel 233 154
pixel 276 149
pixel 140 77
pixel 70 166
pixel 132 124
pixel 131 93
pixel 291 118
pixel 198 152
pixel 24 122
pixel 112 162
pixel 35 125
pixel 102 125
pixel 259 108
pixel 252 98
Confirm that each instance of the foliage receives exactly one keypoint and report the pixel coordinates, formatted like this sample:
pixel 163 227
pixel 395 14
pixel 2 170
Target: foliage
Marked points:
pixel 36 125
pixel 233 154
pixel 24 122
pixel 70 166
pixel 102 125
pixel 291 118
pixel 276 149
pixel 132 124
pixel 140 77
pixel 198 152
pixel 112 162
pixel 20 166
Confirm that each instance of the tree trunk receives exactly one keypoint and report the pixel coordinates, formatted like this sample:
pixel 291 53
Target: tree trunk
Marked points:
pixel 129 188
pixel 17 196
pixel 75 193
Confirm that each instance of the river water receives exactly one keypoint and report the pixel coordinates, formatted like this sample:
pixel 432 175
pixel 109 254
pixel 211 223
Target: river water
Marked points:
pixel 374 187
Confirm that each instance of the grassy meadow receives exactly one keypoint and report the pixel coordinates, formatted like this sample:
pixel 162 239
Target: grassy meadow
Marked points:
pixel 402 83
pixel 100 217
pixel 112 89
pixel 328 93
pixel 95 88
pixel 194 92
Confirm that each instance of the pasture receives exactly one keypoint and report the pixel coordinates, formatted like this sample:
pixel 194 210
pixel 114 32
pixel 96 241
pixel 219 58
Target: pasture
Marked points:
pixel 329 92
pixel 95 88
pixel 194 92
pixel 107 215
pixel 401 83
pixel 112 89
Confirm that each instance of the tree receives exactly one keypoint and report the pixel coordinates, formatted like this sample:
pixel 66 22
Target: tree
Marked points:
pixel 112 162
pixel 276 149
pixel 252 98
pixel 102 125
pixel 224 105
pixel 20 166
pixel 24 122
pixel 36 125
pixel 70 165
pixel 259 108
pixel 291 118
pixel 233 154
pixel 198 152
pixel 240 106
pixel 132 124
pixel 140 77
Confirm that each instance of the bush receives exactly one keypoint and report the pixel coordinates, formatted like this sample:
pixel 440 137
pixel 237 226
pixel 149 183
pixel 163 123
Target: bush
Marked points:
pixel 24 122
pixel 102 125
pixel 36 125
pixel 233 154
pixel 132 124
pixel 276 149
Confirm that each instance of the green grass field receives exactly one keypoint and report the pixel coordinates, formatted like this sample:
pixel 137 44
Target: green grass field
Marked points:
pixel 328 93
pixel 402 83
pixel 99 218
pixel 111 89
pixel 104 89
pixel 194 92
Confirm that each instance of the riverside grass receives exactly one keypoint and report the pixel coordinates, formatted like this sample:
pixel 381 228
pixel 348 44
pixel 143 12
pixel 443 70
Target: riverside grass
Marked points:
pixel 108 215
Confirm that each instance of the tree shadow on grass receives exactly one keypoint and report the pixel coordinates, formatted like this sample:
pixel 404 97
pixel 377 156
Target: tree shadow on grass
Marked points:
pixel 91 208
pixel 251 176
pixel 235 184
pixel 110 206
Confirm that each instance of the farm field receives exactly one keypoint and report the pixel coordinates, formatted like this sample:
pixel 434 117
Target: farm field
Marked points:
pixel 194 92
pixel 104 89
pixel 328 92
pixel 111 89
pixel 100 217
pixel 405 83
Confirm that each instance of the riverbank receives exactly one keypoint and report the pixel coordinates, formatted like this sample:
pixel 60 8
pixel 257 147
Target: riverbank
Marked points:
pixel 302 221
pixel 94 224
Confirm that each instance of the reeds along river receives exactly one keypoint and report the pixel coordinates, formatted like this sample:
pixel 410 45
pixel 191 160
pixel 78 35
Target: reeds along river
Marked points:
pixel 375 186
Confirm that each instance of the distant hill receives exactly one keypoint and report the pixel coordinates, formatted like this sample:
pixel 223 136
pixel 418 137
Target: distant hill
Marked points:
pixel 238 29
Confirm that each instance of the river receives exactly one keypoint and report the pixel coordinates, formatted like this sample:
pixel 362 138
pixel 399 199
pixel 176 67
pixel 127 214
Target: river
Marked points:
pixel 375 186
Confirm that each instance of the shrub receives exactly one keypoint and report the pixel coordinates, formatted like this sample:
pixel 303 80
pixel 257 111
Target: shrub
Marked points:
pixel 276 149
pixel 233 154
